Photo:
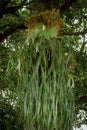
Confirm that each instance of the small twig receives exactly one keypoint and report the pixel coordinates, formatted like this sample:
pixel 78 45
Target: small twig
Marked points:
pixel 83 45
pixel 75 33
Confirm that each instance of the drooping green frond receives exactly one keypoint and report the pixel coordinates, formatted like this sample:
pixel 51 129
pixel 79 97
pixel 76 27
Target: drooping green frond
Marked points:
pixel 45 83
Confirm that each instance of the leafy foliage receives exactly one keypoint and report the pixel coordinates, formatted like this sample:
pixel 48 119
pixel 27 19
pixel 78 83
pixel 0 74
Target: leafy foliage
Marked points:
pixel 8 116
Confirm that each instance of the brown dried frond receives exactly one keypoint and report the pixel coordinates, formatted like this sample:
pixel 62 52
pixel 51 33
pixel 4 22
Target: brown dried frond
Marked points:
pixel 49 18
pixel 31 22
pixel 60 26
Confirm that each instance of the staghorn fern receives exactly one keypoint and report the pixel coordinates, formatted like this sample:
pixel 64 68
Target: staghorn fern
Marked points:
pixel 44 76
pixel 45 83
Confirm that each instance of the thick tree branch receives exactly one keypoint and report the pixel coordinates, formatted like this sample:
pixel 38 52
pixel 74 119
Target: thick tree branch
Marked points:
pixel 10 31
pixel 75 33
pixel 11 9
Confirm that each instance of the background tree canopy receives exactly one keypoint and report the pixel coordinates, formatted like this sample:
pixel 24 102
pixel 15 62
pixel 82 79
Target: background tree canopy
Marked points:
pixel 12 37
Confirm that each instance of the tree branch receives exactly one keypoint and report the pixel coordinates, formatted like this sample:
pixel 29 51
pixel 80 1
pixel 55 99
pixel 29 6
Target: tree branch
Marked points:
pixel 80 108
pixel 82 99
pixel 83 45
pixel 11 9
pixel 75 33
pixel 10 31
